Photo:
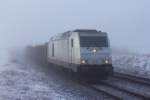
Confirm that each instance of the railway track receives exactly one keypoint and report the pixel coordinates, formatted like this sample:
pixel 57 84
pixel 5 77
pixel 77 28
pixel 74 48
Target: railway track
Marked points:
pixel 114 96
pixel 119 93
pixel 140 80
pixel 122 93
pixel 92 87
pixel 115 92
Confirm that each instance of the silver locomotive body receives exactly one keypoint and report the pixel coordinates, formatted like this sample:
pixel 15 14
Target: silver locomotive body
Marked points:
pixel 82 51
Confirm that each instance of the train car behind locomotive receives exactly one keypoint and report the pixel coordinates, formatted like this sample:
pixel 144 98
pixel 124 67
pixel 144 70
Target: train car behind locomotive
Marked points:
pixel 85 52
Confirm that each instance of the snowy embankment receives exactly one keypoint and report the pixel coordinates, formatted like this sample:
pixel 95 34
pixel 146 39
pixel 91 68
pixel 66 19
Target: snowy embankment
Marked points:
pixel 19 81
pixel 26 77
pixel 132 63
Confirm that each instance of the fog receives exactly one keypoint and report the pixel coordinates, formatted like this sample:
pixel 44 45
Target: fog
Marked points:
pixel 24 22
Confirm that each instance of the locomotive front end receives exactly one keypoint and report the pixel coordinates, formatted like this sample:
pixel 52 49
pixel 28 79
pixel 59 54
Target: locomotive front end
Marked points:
pixel 95 55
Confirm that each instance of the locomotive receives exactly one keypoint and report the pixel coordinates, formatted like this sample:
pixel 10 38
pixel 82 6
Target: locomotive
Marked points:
pixel 82 51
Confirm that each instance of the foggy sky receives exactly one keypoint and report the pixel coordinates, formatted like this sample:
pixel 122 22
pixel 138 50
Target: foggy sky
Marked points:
pixel 34 21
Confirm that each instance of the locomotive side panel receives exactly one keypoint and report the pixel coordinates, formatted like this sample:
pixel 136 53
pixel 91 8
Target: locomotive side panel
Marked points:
pixel 58 52
pixel 74 49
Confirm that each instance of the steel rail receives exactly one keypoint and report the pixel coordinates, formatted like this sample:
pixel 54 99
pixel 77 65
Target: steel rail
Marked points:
pixel 132 78
pixel 143 97
pixel 99 91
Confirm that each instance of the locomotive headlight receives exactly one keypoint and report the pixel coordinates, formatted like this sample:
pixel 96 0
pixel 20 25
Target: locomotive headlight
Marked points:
pixel 94 50
pixel 83 61
pixel 106 61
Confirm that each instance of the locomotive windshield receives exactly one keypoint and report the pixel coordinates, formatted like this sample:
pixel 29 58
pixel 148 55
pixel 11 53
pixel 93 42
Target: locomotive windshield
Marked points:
pixel 93 41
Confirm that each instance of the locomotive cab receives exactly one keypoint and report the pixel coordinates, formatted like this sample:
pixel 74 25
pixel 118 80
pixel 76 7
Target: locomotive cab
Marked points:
pixel 94 53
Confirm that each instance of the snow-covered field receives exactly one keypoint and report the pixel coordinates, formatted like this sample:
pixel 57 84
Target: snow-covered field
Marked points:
pixel 20 82
pixel 132 63
pixel 23 80
pixel 24 77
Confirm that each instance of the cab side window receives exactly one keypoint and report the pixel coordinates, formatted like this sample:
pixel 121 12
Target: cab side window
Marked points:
pixel 72 43
pixel 53 49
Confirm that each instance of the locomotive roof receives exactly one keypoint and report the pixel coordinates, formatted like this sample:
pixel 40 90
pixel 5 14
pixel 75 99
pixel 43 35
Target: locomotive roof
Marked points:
pixel 68 33
pixel 86 30
pixel 61 35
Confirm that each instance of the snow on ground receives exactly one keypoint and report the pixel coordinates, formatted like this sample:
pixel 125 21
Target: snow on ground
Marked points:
pixel 21 80
pixel 132 63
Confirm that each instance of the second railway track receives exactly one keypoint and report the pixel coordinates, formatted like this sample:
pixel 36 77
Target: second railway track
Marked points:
pixel 115 92
pixel 122 93
pixel 136 79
